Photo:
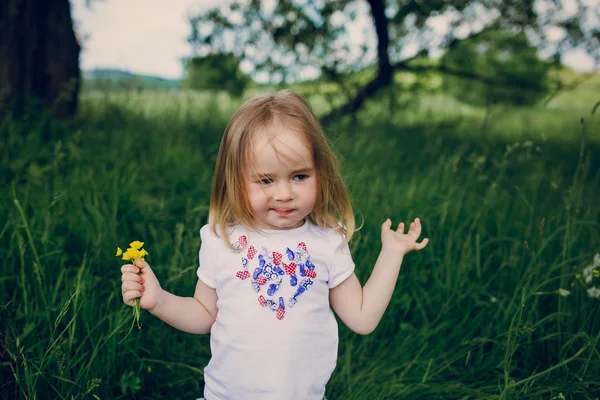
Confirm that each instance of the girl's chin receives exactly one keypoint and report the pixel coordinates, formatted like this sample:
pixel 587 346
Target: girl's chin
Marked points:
pixel 281 224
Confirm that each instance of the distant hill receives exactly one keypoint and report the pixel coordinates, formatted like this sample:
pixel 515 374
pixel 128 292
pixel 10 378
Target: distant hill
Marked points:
pixel 106 78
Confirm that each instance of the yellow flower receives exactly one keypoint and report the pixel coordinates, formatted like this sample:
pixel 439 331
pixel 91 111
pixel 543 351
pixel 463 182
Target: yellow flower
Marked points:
pixel 143 253
pixel 119 252
pixel 596 273
pixel 131 254
pixel 135 253
pixel 136 245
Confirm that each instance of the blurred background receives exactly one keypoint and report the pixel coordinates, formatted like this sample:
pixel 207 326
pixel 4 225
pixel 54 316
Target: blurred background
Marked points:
pixel 481 117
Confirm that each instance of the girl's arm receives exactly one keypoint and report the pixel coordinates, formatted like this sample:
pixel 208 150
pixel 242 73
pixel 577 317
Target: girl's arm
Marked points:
pixel 361 308
pixel 189 314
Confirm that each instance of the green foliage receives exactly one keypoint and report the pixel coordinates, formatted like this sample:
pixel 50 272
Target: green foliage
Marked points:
pixel 509 65
pixel 285 38
pixel 130 383
pixel 216 72
pixel 511 210
pixel 275 40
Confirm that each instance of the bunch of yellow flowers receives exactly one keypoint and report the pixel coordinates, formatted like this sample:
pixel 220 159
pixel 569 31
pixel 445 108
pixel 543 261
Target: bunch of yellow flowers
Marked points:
pixel 134 252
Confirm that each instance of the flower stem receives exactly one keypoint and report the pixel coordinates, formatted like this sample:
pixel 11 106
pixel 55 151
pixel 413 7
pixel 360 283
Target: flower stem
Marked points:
pixel 137 312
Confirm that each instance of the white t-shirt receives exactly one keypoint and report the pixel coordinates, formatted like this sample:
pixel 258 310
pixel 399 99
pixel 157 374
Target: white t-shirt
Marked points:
pixel 275 336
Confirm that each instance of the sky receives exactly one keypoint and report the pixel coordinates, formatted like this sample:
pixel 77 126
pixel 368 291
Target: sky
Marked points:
pixel 149 36
pixel 141 36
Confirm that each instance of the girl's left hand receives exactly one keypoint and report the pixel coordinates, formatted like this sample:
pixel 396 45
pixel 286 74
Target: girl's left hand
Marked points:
pixel 398 241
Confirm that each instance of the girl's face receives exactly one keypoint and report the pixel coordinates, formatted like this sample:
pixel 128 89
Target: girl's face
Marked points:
pixel 282 188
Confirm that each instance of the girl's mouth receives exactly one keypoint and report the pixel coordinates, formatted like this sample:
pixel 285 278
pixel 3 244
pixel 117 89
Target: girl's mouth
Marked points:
pixel 283 211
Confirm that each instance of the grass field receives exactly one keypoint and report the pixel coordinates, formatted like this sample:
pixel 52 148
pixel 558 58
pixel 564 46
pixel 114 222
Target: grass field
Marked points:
pixel 498 306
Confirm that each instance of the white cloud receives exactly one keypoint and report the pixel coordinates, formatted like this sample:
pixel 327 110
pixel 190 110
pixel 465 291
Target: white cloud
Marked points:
pixel 142 36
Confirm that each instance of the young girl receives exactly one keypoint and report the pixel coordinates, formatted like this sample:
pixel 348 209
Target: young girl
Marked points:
pixel 274 260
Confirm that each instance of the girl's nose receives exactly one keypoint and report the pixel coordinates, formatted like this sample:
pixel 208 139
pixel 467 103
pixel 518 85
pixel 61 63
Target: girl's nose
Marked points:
pixel 283 192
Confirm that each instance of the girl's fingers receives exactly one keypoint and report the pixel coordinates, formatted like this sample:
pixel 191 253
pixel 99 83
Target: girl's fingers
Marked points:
pixel 130 268
pixel 131 295
pixel 386 225
pixel 422 245
pixel 416 227
pixel 400 227
pixel 129 276
pixel 129 285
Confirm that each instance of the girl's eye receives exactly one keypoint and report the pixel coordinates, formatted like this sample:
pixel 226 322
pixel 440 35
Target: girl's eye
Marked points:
pixel 266 181
pixel 300 177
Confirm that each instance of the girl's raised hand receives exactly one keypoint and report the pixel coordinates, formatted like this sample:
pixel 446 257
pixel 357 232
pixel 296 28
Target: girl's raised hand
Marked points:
pixel 398 241
pixel 144 285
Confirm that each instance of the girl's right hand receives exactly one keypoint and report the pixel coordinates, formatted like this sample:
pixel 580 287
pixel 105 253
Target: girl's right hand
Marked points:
pixel 144 285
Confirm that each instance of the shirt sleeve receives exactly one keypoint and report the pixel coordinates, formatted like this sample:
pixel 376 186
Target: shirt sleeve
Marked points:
pixel 207 257
pixel 342 265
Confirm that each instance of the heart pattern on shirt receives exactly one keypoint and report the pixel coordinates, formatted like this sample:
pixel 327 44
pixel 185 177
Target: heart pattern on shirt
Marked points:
pixel 267 273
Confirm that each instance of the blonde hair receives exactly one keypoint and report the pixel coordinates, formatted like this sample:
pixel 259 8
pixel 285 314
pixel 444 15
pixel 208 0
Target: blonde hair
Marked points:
pixel 229 201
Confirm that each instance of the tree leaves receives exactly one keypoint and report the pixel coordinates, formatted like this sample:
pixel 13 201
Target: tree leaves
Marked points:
pixel 292 40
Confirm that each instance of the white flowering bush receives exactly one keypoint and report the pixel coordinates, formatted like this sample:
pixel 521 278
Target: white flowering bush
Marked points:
pixel 587 277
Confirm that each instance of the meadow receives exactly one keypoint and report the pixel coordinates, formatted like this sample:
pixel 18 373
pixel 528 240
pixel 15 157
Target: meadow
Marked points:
pixel 500 305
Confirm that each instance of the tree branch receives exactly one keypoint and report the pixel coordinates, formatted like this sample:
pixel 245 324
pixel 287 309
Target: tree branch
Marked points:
pixel 371 88
pixel 351 106
pixel 403 66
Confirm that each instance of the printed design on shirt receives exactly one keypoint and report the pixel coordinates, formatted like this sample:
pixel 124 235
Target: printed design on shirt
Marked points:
pixel 271 271
pixel 241 243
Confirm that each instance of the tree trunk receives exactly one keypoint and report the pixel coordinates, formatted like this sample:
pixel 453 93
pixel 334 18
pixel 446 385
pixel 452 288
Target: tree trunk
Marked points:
pixel 384 68
pixel 39 57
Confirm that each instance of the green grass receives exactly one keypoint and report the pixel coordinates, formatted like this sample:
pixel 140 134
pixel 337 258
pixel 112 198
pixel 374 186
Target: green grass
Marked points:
pixel 509 199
